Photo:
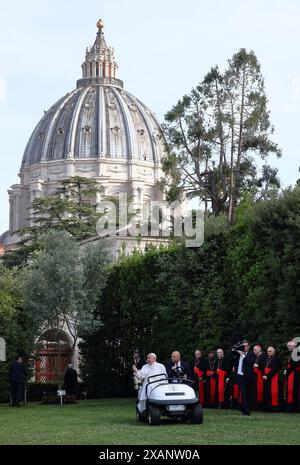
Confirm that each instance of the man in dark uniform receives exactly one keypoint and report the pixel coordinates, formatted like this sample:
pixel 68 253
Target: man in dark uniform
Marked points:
pixel 17 377
pixel 177 369
pixel 70 380
pixel 245 376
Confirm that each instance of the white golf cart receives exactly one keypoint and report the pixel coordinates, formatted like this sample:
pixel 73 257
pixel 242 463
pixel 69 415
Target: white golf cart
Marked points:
pixel 171 398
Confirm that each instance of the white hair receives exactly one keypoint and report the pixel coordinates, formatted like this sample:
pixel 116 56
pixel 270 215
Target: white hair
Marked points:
pixel 152 355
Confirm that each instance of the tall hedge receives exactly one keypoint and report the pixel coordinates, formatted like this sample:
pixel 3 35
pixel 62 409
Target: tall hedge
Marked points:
pixel 244 281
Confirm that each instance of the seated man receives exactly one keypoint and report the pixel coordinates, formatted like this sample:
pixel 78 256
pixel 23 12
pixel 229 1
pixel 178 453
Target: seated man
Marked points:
pixel 177 369
pixel 151 368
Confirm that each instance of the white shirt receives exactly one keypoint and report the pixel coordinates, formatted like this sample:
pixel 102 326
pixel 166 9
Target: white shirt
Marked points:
pixel 240 367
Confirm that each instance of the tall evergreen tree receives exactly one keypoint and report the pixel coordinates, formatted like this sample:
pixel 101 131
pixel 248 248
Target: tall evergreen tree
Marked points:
pixel 215 133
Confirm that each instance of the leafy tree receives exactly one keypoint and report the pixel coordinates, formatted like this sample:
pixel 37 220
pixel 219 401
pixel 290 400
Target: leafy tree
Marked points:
pixel 59 291
pixel 72 208
pixel 15 324
pixel 214 135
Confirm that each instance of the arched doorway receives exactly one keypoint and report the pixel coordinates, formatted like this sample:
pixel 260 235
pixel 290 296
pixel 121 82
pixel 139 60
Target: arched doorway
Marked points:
pixel 53 355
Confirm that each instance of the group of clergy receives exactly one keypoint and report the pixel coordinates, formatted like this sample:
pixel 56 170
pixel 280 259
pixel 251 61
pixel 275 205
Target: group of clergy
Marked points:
pixel 245 379
pixel 249 379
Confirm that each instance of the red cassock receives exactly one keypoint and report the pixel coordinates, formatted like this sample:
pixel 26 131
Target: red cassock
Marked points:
pixel 236 394
pixel 274 388
pixel 222 374
pixel 259 385
pixel 199 374
pixel 272 392
pixel 291 386
pixel 211 387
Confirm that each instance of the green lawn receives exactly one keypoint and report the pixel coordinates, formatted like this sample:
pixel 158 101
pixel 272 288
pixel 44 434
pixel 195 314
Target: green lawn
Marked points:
pixel 112 421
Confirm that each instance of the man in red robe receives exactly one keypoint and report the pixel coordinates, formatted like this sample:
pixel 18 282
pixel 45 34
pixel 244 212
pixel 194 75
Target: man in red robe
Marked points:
pixel 272 391
pixel 210 384
pixel 258 394
pixel 291 380
pixel 200 368
pixel 222 368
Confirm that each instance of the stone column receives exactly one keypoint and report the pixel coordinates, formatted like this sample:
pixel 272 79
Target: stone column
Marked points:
pixel 36 191
pixel 11 210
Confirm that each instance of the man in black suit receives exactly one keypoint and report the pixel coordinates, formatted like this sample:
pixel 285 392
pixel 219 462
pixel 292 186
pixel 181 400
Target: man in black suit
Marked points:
pixel 177 369
pixel 70 380
pixel 17 377
pixel 245 376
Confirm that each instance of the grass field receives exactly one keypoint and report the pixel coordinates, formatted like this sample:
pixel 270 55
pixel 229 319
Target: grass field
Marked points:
pixel 112 421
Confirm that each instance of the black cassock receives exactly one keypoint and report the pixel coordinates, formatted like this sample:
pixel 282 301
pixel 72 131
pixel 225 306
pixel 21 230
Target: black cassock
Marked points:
pixel 272 386
pixel 70 381
pixel 291 385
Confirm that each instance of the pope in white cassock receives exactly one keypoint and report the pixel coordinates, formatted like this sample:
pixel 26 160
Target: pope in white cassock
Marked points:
pixel 152 367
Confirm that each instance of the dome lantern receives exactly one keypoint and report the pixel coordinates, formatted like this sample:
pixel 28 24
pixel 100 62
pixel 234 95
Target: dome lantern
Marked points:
pixel 99 66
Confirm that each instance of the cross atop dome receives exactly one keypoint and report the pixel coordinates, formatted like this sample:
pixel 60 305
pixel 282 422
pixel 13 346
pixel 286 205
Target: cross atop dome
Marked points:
pixel 100 58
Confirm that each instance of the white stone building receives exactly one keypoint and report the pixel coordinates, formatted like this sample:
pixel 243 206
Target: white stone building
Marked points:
pixel 99 131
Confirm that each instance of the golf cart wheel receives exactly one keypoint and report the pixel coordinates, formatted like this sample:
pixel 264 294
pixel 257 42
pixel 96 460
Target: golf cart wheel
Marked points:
pixel 153 415
pixel 138 415
pixel 197 415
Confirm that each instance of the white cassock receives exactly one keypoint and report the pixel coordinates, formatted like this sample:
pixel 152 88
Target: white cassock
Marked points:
pixel 144 373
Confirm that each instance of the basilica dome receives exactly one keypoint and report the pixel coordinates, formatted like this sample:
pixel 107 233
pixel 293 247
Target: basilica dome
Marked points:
pixel 93 121
pixel 98 130
pixel 97 119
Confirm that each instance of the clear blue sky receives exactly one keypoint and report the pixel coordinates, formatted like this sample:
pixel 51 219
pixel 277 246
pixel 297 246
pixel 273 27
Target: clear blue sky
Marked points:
pixel 163 48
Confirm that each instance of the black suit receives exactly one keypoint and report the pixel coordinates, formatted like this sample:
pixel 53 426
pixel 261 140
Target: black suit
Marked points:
pixel 17 376
pixel 245 381
pixel 184 370
pixel 70 381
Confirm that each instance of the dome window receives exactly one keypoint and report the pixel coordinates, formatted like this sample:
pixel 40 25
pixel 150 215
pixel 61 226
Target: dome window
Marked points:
pixel 132 107
pixel 141 132
pixel 61 131
pixel 115 130
pixel 41 135
pixel 87 129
